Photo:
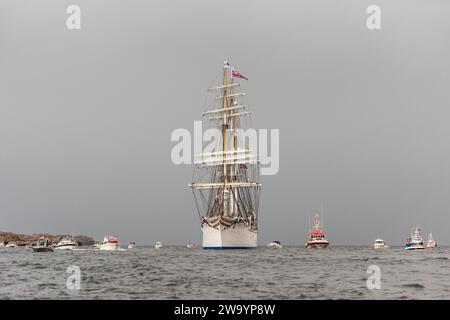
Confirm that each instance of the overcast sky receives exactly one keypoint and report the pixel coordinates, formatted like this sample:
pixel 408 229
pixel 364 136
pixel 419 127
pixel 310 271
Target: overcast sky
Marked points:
pixel 86 115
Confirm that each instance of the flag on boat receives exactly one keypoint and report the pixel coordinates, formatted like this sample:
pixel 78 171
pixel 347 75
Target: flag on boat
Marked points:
pixel 236 74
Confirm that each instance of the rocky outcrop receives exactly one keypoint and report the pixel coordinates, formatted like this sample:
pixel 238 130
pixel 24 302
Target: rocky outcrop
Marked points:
pixel 23 239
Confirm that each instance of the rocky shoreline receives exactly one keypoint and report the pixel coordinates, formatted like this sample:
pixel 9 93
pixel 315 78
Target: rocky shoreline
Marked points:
pixel 25 240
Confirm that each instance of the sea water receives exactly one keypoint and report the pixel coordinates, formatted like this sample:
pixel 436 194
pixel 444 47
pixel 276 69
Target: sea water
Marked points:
pixel 175 272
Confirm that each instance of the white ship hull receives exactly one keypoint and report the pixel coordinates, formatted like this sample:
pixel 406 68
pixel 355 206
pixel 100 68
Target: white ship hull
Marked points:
pixel 66 247
pixel 415 248
pixel 431 245
pixel 238 236
pixel 317 244
pixel 110 246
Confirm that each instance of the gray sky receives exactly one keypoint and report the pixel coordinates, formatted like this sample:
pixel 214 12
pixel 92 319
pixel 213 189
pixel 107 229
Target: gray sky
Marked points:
pixel 86 116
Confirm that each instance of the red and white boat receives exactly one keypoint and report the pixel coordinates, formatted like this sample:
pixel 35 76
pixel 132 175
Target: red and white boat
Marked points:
pixel 110 243
pixel 317 238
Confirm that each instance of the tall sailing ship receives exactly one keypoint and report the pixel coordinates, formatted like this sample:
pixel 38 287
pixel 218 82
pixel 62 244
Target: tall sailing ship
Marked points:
pixel 226 183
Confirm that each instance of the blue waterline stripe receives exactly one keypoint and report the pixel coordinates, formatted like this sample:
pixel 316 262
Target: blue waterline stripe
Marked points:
pixel 227 248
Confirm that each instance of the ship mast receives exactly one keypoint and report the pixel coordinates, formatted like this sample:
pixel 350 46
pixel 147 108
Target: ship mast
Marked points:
pixel 226 182
pixel 224 133
pixel 235 145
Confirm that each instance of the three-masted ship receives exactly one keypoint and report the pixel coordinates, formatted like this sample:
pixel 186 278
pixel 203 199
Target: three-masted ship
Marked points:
pixel 226 183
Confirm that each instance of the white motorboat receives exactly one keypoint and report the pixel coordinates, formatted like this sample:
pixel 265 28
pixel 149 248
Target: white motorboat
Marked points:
pixel 110 243
pixel 275 244
pixel 415 242
pixel 380 244
pixel 132 245
pixel 158 245
pixel 190 245
pixel 66 243
pixel 431 243
pixel 11 245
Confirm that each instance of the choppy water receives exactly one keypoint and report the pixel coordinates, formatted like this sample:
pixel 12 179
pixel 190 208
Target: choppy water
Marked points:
pixel 176 272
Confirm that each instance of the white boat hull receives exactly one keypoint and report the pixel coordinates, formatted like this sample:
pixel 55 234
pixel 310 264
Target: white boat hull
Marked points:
pixel 110 246
pixel 317 244
pixel 65 247
pixel 418 247
pixel 238 236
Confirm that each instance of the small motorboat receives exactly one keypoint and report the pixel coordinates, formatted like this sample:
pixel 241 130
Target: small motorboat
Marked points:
pixel 190 245
pixel 415 242
pixel 11 245
pixel 42 245
pixel 158 245
pixel 110 243
pixel 431 243
pixel 275 244
pixel 132 245
pixel 96 246
pixel 380 244
pixel 66 243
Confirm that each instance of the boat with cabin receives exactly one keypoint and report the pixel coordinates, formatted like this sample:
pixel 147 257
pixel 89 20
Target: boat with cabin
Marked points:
pixel 42 245
pixel 415 242
pixel 317 237
pixel 380 244
pixel 431 243
pixel 110 243
pixel 66 243
pixel 275 245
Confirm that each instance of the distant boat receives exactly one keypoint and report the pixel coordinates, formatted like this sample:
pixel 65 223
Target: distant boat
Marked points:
pixel 42 245
pixel 132 245
pixel 190 245
pixel 317 238
pixel 96 246
pixel 275 244
pixel 431 243
pixel 66 243
pixel 11 245
pixel 415 242
pixel 380 244
pixel 110 243
pixel 158 245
